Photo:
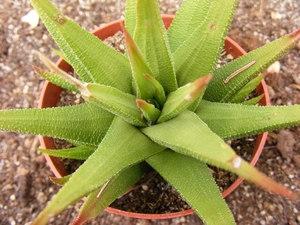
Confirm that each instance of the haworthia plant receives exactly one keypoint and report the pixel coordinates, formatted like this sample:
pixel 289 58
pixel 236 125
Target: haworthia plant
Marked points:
pixel 163 105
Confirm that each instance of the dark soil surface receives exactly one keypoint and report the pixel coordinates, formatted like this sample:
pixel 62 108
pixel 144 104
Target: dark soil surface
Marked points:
pixel 24 178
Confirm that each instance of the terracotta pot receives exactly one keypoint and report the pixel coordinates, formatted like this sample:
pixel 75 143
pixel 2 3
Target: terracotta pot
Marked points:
pixel 50 96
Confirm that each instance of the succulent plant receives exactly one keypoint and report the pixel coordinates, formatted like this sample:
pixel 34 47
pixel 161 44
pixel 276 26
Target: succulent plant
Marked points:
pixel 163 105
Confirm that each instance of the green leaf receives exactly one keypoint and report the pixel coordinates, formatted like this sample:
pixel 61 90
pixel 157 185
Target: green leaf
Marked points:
pixel 98 200
pixel 182 98
pixel 144 88
pixel 81 152
pixel 62 180
pixel 232 121
pixel 193 180
pixel 123 146
pixel 253 101
pixel 230 78
pixel 149 111
pixel 116 102
pixel 59 53
pixel 85 123
pixel 242 94
pixel 188 135
pixel 130 16
pixel 197 56
pixel 188 17
pixel 91 59
pixel 56 79
pixel 155 48
pixel 159 90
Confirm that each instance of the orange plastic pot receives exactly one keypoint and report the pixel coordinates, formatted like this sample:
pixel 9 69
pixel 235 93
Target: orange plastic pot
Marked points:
pixel 50 96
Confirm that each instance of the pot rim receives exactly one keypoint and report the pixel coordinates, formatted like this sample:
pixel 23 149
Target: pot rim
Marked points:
pixel 51 93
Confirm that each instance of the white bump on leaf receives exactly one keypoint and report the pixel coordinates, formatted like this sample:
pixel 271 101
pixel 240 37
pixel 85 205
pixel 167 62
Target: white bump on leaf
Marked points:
pixel 237 162
pixel 32 18
pixel 188 97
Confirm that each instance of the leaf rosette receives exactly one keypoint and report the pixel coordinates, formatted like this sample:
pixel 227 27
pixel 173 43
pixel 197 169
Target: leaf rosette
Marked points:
pixel 162 105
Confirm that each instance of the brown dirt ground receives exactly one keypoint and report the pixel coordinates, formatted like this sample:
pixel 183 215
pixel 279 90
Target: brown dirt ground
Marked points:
pixel 24 178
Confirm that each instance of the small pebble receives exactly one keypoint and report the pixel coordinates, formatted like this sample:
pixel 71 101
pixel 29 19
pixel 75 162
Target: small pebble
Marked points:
pixel 41 198
pixel 12 197
pixel 296 159
pixel 274 68
pixel 229 56
pixel 276 16
pixel 32 18
pixel 145 187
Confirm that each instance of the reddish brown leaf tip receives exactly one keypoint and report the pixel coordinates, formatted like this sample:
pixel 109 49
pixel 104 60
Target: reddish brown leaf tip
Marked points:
pixel 126 34
pixel 37 69
pixel 122 26
pixel 140 103
pixel 206 79
pixel 130 44
pixel 296 34
pixel 287 193
pixel 201 83
pixel 79 221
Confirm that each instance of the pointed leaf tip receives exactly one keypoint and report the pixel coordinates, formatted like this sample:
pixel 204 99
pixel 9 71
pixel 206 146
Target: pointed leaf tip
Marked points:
pixel 117 102
pixel 60 181
pixel 62 74
pixel 159 90
pixel 37 69
pixel 149 111
pixel 130 44
pixel 145 88
pixel 56 79
pixel 296 34
pixel 182 98
pixel 141 103
pixel 199 84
